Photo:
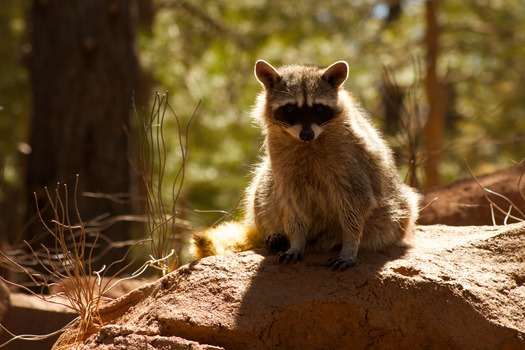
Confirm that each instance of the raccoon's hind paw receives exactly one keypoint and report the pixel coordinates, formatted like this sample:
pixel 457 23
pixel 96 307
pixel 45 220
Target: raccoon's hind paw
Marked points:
pixel 277 242
pixel 340 263
pixel 292 257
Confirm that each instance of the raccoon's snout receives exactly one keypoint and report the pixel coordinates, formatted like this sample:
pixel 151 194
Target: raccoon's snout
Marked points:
pixel 307 135
pixel 304 133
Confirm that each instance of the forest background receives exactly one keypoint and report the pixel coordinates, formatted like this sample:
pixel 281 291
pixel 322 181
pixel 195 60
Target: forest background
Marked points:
pixel 444 81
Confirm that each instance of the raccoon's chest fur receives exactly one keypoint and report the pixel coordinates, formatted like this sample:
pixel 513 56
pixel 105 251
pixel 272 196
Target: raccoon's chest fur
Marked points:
pixel 311 182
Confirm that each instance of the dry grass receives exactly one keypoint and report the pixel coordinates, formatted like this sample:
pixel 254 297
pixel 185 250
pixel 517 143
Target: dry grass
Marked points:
pixel 67 276
pixel 65 273
pixel 161 205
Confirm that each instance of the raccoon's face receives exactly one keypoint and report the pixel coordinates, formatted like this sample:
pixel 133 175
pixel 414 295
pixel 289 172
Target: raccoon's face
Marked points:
pixel 302 99
pixel 304 123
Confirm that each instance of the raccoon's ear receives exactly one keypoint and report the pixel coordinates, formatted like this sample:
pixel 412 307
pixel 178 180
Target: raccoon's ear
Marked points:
pixel 266 74
pixel 336 74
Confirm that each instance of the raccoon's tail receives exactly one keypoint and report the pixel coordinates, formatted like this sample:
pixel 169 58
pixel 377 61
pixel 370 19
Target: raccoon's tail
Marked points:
pixel 226 238
pixel 412 202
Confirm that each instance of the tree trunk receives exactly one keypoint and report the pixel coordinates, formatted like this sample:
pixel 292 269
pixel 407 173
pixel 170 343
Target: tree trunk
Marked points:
pixel 435 98
pixel 83 68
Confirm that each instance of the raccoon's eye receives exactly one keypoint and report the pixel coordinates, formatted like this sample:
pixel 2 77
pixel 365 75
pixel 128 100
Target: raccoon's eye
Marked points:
pixel 320 109
pixel 290 108
pixel 287 114
pixel 323 114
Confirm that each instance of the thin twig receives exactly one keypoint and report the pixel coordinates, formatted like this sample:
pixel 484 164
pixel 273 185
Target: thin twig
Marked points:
pixel 494 205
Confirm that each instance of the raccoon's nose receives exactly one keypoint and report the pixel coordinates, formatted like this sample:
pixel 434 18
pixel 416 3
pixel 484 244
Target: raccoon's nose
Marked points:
pixel 307 135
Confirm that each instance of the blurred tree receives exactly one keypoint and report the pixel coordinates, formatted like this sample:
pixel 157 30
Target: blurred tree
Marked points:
pixel 83 69
pixel 435 97
pixel 482 47
pixel 14 110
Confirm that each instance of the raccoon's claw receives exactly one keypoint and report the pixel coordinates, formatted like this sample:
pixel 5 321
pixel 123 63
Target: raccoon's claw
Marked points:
pixel 277 242
pixel 340 263
pixel 286 258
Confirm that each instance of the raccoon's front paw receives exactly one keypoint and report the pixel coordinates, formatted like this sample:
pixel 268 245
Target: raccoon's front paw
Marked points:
pixel 340 263
pixel 277 242
pixel 290 257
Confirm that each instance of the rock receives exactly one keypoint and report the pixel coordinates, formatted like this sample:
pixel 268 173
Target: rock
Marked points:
pixel 464 203
pixel 456 288
pixel 116 288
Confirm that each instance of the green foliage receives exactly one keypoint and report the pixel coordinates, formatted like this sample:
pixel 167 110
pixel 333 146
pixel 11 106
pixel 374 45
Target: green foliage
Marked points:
pixel 208 51
pixel 204 52
pixel 208 55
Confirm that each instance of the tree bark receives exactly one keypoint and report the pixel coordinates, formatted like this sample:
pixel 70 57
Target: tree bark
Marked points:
pixel 83 67
pixel 435 97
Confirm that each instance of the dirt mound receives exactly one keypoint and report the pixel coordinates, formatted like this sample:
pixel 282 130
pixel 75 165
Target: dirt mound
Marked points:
pixel 457 288
pixel 465 203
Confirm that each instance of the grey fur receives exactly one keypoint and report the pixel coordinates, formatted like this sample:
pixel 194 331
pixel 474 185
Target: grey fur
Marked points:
pixel 339 189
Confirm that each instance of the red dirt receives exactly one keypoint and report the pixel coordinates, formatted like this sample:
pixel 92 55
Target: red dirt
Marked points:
pixel 464 203
pixel 456 288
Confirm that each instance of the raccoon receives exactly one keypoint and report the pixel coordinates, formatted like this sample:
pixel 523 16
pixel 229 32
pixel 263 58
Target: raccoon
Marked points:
pixel 327 178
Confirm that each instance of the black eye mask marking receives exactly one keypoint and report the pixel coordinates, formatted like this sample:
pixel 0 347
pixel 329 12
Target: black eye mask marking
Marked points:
pixel 291 114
